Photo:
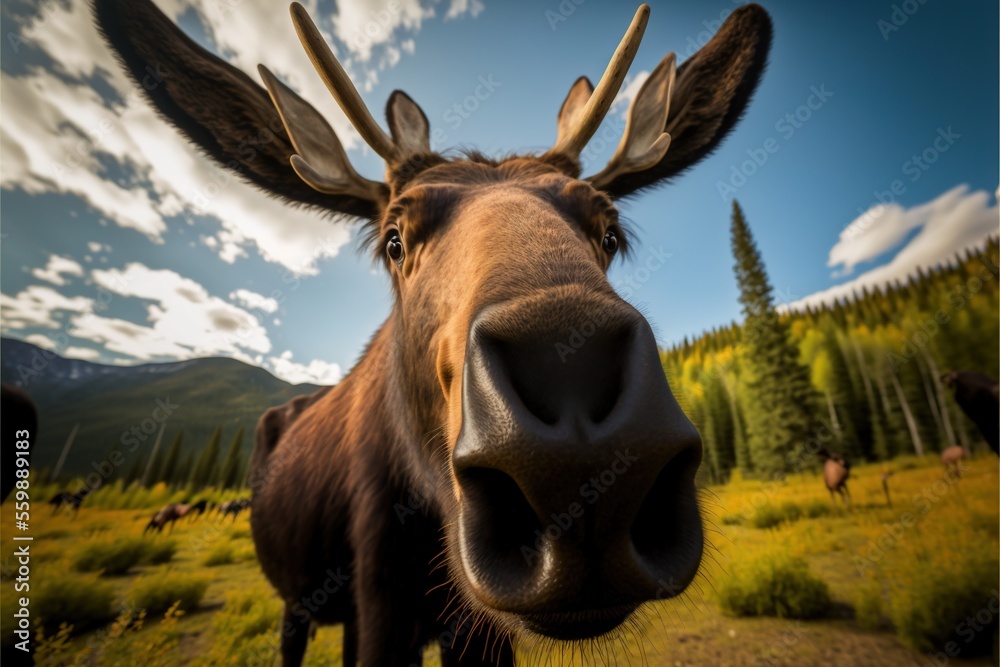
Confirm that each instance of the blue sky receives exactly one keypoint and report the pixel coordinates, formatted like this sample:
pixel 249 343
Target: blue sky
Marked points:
pixel 121 245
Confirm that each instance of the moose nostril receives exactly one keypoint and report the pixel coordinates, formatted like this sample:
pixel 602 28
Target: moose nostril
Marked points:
pixel 499 524
pixel 667 526
pixel 555 380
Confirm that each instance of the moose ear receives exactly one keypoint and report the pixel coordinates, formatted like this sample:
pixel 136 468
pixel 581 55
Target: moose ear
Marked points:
pixel 218 107
pixel 320 159
pixel 710 94
pixel 409 127
pixel 573 106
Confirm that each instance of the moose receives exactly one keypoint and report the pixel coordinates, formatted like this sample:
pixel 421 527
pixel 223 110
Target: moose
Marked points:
pixel 233 507
pixel 836 471
pixel 978 395
pixel 169 515
pixel 951 459
pixel 73 500
pixel 461 410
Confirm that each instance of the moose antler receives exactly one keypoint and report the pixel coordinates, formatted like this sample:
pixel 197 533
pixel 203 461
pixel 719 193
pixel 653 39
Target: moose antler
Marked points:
pixel 341 87
pixel 572 141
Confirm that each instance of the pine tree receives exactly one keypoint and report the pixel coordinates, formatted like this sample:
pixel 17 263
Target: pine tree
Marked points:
pixel 183 474
pixel 232 464
pixel 155 469
pixel 134 471
pixel 172 459
pixel 779 394
pixel 204 470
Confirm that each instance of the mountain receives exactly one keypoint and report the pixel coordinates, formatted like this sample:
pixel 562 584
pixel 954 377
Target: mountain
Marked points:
pixel 114 404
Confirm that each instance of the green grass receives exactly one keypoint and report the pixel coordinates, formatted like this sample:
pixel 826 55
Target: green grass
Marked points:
pixel 221 553
pixel 111 558
pixel 156 593
pixel 80 602
pixel 873 618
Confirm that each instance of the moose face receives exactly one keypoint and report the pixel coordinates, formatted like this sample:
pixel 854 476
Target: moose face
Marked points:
pixel 534 399
pixel 571 496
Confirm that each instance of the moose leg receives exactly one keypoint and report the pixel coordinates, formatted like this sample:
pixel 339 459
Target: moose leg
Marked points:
pixel 294 637
pixel 481 645
pixel 389 581
pixel 350 647
pixel 847 495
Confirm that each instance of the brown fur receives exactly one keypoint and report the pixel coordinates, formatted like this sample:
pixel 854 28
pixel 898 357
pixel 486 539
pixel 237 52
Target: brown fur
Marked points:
pixel 836 471
pixel 951 459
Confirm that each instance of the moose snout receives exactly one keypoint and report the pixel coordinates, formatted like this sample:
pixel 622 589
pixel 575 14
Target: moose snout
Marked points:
pixel 575 467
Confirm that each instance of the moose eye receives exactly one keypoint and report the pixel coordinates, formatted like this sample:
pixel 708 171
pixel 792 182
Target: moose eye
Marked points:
pixel 610 242
pixel 394 248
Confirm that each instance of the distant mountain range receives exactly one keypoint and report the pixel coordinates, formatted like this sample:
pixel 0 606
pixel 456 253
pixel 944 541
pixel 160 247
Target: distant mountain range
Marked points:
pixel 108 401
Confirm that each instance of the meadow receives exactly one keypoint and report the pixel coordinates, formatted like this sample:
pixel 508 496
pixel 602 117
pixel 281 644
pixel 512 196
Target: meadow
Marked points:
pixel 789 579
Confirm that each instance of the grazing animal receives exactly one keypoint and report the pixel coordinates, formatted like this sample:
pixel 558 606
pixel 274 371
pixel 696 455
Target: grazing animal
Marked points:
pixel 234 507
pixel 951 459
pixel 195 511
pixel 507 456
pixel 978 395
pixel 74 500
pixel 168 515
pixel 20 426
pixel 836 471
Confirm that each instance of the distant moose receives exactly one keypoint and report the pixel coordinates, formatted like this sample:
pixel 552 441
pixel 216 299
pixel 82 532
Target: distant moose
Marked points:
pixel 171 513
pixel 836 472
pixel 71 500
pixel 475 478
pixel 979 397
pixel 233 507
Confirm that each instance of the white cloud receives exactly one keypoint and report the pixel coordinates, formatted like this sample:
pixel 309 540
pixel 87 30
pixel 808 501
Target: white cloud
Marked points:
pixel 315 372
pixel 85 353
pixel 185 320
pixel 955 220
pixel 41 341
pixel 459 7
pixel 57 127
pixel 623 101
pixel 56 268
pixel 254 301
pixel 37 306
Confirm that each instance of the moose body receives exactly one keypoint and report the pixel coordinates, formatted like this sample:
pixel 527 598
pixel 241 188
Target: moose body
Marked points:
pixel 979 397
pixel 951 459
pixel 171 513
pixel 836 472
pixel 475 477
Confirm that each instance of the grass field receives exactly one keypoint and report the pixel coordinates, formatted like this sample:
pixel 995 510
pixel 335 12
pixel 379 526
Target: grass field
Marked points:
pixel 883 567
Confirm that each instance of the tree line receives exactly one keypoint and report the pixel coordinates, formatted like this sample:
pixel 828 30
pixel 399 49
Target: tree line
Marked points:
pixel 859 375
pixel 197 469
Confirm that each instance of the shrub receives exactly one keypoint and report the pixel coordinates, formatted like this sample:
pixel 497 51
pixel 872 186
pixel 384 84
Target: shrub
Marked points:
pixel 243 629
pixel 868 606
pixel 157 553
pixel 766 516
pixel 116 557
pixel 157 593
pixel 769 515
pixel 936 592
pixel 733 520
pixel 221 554
pixel 81 602
pixel 773 584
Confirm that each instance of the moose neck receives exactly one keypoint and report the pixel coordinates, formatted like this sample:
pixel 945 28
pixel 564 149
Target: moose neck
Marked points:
pixel 381 416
